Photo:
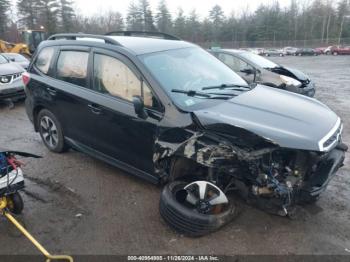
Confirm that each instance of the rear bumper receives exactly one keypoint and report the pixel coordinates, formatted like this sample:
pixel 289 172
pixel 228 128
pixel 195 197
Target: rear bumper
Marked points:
pixel 325 171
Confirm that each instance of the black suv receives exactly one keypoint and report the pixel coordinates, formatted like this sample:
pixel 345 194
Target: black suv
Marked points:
pixel 168 111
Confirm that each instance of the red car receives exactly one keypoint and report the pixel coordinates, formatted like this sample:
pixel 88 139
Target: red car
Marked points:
pixel 339 50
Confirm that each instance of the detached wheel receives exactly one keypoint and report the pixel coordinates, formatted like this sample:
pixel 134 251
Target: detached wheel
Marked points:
pixel 195 209
pixel 15 203
pixel 51 131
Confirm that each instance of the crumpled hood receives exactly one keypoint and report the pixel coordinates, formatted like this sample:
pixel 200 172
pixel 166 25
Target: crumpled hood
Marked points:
pixel 10 68
pixel 297 73
pixel 288 119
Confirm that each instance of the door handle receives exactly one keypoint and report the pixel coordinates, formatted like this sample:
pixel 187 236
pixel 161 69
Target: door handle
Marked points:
pixel 95 109
pixel 52 91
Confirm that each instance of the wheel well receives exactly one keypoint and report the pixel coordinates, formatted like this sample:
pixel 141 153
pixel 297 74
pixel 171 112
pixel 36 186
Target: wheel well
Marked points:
pixel 186 169
pixel 36 111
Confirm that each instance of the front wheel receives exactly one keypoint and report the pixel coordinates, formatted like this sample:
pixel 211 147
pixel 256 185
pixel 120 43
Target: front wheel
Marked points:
pixel 195 209
pixel 51 131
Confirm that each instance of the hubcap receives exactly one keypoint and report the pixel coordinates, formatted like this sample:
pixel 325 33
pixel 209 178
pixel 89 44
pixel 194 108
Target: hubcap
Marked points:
pixel 49 131
pixel 204 196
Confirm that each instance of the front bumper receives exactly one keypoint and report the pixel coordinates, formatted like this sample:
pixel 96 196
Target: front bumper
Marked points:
pixel 14 91
pixel 325 171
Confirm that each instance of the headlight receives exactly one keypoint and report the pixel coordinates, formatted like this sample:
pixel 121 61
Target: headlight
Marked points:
pixel 290 81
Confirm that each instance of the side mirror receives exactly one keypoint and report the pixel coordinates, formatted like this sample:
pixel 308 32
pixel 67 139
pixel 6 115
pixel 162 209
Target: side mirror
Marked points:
pixel 139 107
pixel 248 71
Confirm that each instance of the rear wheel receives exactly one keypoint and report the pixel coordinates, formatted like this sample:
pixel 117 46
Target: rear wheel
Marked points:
pixel 195 209
pixel 51 131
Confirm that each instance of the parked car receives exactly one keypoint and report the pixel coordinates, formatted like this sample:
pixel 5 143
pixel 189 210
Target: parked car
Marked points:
pixel 18 59
pixel 340 50
pixel 328 49
pixel 11 85
pixel 273 52
pixel 288 50
pixel 168 111
pixel 257 69
pixel 305 51
pixel 320 50
pixel 258 51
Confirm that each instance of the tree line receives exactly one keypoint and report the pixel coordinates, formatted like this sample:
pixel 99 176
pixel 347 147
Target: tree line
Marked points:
pixel 300 20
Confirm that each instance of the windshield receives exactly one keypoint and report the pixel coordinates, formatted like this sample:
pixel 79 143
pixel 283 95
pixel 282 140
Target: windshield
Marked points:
pixel 3 60
pixel 189 69
pixel 258 60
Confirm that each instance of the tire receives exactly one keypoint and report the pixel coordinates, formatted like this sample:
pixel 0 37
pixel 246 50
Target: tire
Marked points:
pixel 299 54
pixel 335 53
pixel 53 136
pixel 15 203
pixel 267 55
pixel 188 221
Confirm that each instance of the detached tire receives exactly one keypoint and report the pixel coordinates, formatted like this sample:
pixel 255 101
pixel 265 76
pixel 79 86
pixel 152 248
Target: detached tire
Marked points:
pixel 188 221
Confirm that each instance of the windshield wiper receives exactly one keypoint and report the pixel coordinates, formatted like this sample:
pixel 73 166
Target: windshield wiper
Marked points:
pixel 190 92
pixel 204 95
pixel 224 86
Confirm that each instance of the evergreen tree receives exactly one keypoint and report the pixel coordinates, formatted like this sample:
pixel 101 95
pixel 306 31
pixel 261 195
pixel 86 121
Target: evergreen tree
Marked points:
pixel 180 24
pixel 193 27
pixel 134 17
pixel 4 7
pixel 163 18
pixel 67 15
pixel 28 12
pixel 146 15
pixel 217 17
pixel 48 13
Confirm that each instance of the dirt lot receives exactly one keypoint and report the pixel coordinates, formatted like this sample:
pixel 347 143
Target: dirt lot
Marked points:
pixel 79 205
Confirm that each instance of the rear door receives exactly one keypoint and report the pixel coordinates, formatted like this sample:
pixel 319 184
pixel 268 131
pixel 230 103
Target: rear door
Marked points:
pixel 73 84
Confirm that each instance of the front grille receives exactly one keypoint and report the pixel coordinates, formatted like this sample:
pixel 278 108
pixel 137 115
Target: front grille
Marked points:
pixel 7 79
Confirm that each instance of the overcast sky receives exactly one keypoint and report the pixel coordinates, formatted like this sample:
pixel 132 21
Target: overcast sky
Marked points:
pixel 90 7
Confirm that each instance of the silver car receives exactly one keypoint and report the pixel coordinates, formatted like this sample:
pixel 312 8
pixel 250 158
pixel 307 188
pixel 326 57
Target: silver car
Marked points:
pixel 11 85
pixel 17 59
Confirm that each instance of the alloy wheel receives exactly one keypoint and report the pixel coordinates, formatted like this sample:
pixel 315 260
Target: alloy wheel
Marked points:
pixel 49 131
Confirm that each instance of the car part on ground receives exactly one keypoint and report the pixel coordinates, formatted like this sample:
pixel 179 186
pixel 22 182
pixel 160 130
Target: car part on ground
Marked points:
pixel 278 149
pixel 195 209
pixel 257 69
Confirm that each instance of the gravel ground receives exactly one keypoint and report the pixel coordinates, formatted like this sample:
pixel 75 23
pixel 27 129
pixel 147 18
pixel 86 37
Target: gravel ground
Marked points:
pixel 78 205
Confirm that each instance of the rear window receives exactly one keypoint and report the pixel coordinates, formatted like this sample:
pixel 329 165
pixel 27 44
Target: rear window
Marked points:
pixel 44 59
pixel 72 67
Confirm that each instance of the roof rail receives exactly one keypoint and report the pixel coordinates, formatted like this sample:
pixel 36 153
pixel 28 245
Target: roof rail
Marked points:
pixel 144 34
pixel 74 36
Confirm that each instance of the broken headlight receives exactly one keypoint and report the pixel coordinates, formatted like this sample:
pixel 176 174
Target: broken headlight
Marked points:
pixel 290 81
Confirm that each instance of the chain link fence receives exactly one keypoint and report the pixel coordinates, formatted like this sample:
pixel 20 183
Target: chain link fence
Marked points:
pixel 313 43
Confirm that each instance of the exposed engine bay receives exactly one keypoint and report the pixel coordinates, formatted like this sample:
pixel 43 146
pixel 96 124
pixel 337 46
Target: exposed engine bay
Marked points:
pixel 278 180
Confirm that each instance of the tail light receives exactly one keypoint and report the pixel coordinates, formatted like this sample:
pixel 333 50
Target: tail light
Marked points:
pixel 25 78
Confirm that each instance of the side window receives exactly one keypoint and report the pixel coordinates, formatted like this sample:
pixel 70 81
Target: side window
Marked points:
pixel 233 62
pixel 113 77
pixel 44 58
pixel 72 67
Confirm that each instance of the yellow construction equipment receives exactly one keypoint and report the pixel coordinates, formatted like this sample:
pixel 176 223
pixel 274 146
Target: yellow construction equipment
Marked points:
pixel 28 42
